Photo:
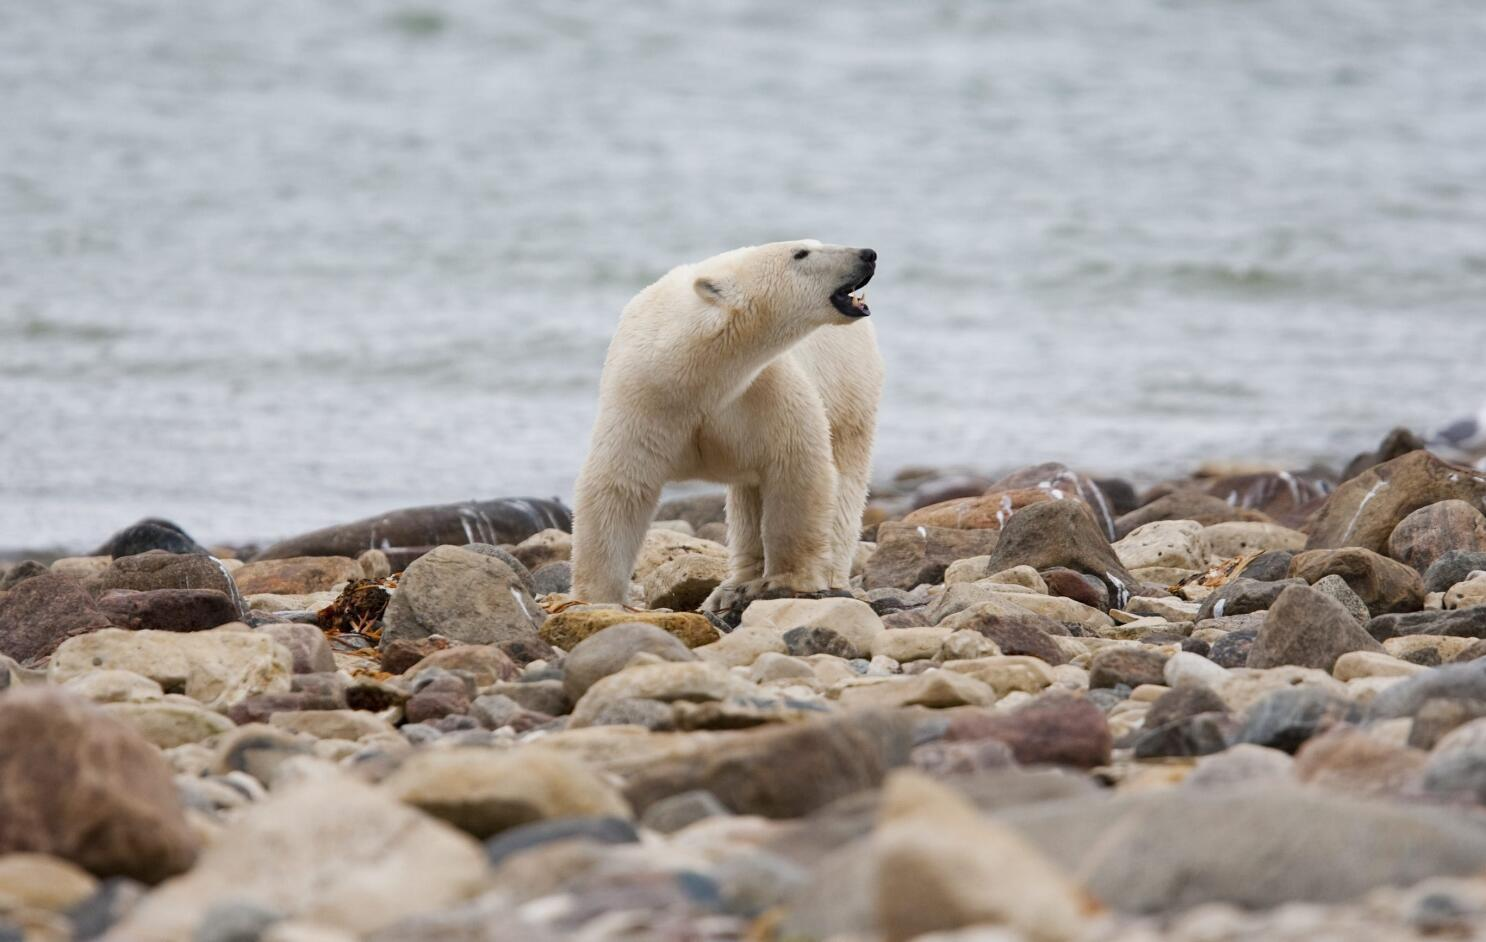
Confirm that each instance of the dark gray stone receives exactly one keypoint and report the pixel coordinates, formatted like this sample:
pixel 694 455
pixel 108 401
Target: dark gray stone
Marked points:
pixel 1454 623
pixel 505 520
pixel 1307 628
pixel 1285 719
pixel 1243 596
pixel 1450 682
pixel 524 837
pixel 670 815
pixel 1452 567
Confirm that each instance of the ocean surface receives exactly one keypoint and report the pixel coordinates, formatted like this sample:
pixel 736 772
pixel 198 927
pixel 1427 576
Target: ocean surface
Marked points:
pixel 268 266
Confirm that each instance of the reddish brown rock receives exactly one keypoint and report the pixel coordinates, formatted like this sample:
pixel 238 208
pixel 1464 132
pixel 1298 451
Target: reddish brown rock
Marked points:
pixel 988 511
pixel 168 609
pixel 42 612
pixel 1287 497
pixel 1385 586
pixel 1428 533
pixel 78 784
pixel 1084 589
pixel 1365 510
pixel 1054 729
pixel 1029 634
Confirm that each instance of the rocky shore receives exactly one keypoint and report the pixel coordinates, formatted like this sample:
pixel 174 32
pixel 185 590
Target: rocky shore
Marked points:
pixel 1249 704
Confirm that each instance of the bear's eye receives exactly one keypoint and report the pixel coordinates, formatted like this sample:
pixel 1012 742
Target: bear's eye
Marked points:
pixel 802 253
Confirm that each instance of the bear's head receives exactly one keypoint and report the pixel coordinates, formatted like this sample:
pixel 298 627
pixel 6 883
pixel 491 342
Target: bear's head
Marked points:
pixel 808 282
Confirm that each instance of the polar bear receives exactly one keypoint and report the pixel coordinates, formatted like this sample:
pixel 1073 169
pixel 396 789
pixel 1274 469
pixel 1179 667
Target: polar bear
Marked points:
pixel 757 369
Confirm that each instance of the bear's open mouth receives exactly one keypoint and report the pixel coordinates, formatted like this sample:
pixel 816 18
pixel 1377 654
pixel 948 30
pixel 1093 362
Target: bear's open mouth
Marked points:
pixel 848 301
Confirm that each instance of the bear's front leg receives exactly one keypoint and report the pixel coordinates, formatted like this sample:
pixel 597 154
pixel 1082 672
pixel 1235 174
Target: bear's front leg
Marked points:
pixel 611 514
pixel 745 512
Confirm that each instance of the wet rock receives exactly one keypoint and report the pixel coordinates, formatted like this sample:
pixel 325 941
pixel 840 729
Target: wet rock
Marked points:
pixel 935 863
pixel 608 651
pixel 484 792
pixel 567 629
pixel 39 614
pixel 777 772
pixel 1086 590
pixel 1425 535
pixel 1061 533
pixel 1186 505
pixel 168 609
pixel 151 533
pixel 1384 585
pixel 506 520
pixel 297 575
pixel 216 668
pixel 1054 729
pixel 1309 629
pixel 80 785
pixel 1365 510
pixel 462 595
pixel 1286 718
pixel 1452 567
pixel 1242 596
pixel 909 555
pixel 1130 666
pixel 1256 848
pixel 684 583
pixel 1347 759
pixel 1176 544
pixel 275 855
pixel 1452 623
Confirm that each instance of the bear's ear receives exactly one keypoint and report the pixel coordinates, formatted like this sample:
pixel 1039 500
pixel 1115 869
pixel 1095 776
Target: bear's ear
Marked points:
pixel 713 291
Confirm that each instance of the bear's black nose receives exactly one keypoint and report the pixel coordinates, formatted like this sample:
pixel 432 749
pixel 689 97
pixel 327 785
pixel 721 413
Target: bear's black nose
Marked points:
pixel 868 255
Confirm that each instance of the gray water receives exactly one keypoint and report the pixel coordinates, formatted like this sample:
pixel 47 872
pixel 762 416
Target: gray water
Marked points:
pixel 270 265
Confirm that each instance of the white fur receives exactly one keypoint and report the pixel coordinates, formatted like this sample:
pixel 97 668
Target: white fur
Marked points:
pixel 738 370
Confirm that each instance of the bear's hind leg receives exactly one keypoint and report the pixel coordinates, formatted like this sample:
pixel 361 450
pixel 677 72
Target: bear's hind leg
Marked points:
pixel 745 550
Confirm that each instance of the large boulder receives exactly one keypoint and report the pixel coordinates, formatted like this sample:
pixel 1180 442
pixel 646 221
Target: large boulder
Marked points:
pixel 218 668
pixel 1430 532
pixel 81 785
pixel 1062 533
pixel 505 520
pixel 287 855
pixel 464 596
pixel 44 611
pixel 909 555
pixel 1384 585
pixel 1288 497
pixel 1307 628
pixel 160 570
pixel 1365 510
